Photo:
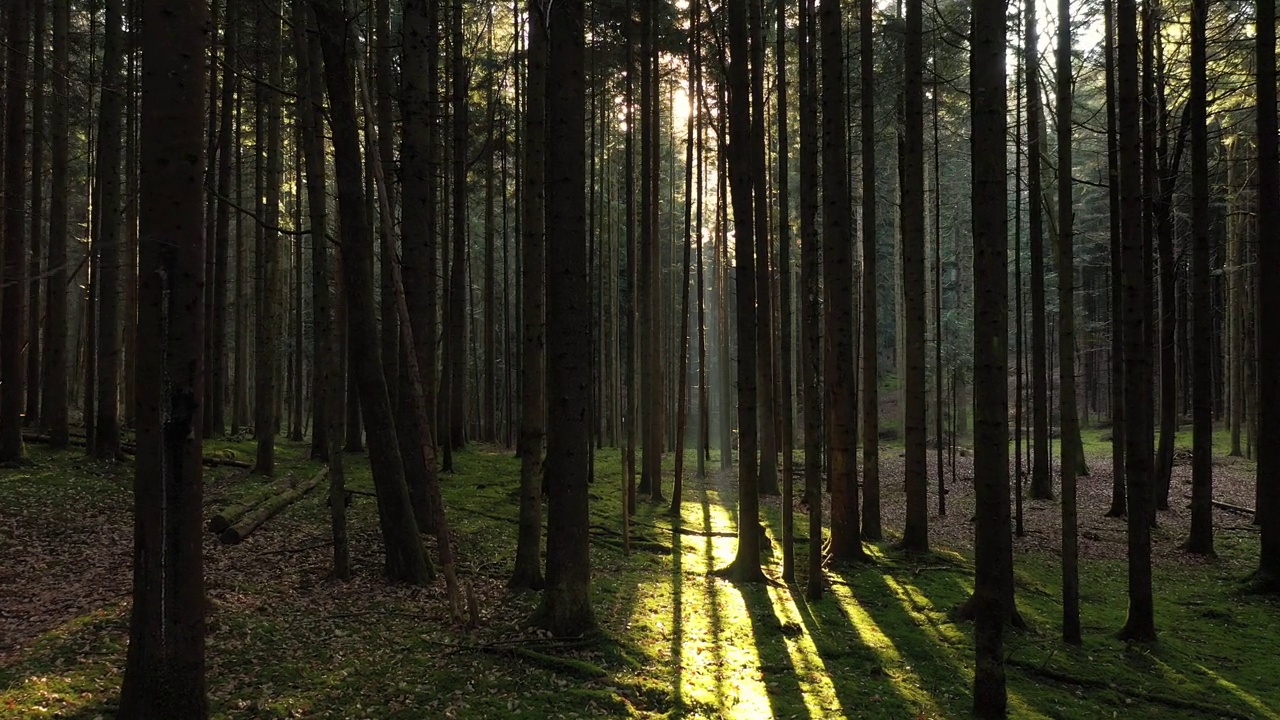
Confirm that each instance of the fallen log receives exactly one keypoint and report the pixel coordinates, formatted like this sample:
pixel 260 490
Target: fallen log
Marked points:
pixel 1238 509
pixel 253 519
pixel 228 516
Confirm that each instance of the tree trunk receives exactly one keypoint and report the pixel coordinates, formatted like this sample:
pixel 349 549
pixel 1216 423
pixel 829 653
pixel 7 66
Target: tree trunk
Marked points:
pixel 566 604
pixel 32 414
pixel 456 341
pixel 266 318
pixel 840 363
pixel 1066 338
pixel 1201 538
pixel 1116 286
pixel 1140 625
pixel 164 672
pixel 768 479
pixel 746 565
pixel 54 398
pixel 993 576
pixel 527 573
pixel 13 318
pixel 915 534
pixel 106 437
pixel 1041 482
pixel 405 559
pixel 1269 301
pixel 810 311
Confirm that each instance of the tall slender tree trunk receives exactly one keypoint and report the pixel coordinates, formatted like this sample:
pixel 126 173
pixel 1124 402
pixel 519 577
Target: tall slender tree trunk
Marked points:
pixel 871 525
pixel 106 436
pixel 746 565
pixel 993 576
pixel 1201 538
pixel 13 297
pixel 1140 625
pixel 1118 505
pixel 405 559
pixel 1066 337
pixel 810 311
pixel 54 398
pixel 784 293
pixel 1268 300
pixel 456 341
pixel 764 295
pixel 266 318
pixel 915 533
pixel 164 672
pixel 1041 481
pixel 840 363
pixel 32 414
pixel 566 603
pixel 533 401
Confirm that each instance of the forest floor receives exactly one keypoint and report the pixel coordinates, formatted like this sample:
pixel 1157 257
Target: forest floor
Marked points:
pixel 286 641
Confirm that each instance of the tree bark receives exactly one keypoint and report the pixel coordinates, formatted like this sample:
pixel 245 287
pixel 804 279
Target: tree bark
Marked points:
pixel 405 559
pixel 746 564
pixel 566 604
pixel 1041 481
pixel 1268 300
pixel 1201 538
pixel 993 576
pixel 164 671
pixel 54 398
pixel 1140 625
pixel 915 534
pixel 527 573
pixel 1068 412
pixel 840 363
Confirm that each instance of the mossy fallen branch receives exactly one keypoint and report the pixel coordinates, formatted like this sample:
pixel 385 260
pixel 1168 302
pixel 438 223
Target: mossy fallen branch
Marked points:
pixel 228 516
pixel 253 519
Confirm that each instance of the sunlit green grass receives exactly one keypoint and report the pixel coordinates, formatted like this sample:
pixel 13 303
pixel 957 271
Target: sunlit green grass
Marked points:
pixel 680 642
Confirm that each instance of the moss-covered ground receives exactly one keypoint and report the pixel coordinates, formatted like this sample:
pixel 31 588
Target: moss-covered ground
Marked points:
pixel 285 641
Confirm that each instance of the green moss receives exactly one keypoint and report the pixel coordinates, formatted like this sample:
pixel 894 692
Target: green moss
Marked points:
pixel 677 642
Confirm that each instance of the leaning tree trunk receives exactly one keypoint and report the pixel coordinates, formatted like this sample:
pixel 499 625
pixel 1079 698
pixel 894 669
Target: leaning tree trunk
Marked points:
pixel 405 559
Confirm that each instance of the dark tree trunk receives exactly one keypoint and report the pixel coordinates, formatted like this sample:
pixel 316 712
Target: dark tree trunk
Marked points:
pixel 840 363
pixel 1140 625
pixel 106 436
pixel 871 526
pixel 915 533
pixel 220 244
pixel 266 318
pixel 325 336
pixel 1116 286
pixel 784 293
pixel 13 318
pixel 993 576
pixel 746 565
pixel 1066 338
pixel 1201 539
pixel 566 604
pixel 405 559
pixel 164 672
pixel 768 480
pixel 32 416
pixel 810 310
pixel 456 341
pixel 1041 481
pixel 528 562
pixel 1269 300
pixel 54 398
